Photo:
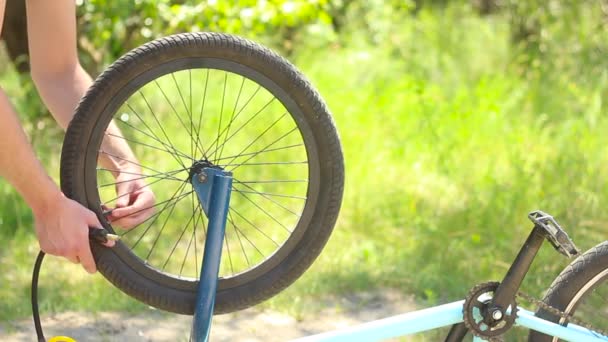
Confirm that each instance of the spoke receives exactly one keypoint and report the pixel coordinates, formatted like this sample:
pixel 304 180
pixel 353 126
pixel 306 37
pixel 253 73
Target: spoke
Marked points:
pixel 131 162
pixel 236 103
pixel 192 237
pixel 148 135
pixel 181 270
pixel 181 196
pixel 149 218
pixel 260 136
pixel 200 215
pixel 219 126
pixel 155 137
pixel 276 181
pixel 190 82
pixel 179 239
pixel 161 231
pixel 131 173
pixel 204 228
pixel 236 231
pixel 168 177
pixel 189 112
pixel 269 198
pixel 256 227
pixel 243 125
pixel 174 110
pixel 174 201
pixel 268 194
pixel 151 137
pixel 200 116
pixel 244 236
pixel 260 152
pixel 239 112
pixel 157 121
pixel 150 146
pixel 228 251
pixel 267 146
pixel 268 163
pixel 265 212
pixel 130 192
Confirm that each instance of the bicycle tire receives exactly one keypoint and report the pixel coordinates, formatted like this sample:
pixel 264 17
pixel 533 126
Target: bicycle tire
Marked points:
pixel 582 281
pixel 232 56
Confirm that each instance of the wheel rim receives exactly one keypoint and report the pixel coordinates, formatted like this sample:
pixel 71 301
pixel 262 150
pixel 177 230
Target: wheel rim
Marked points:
pixel 590 303
pixel 203 109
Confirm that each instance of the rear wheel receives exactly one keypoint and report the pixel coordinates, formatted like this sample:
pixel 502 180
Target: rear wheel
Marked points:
pixel 581 290
pixel 215 100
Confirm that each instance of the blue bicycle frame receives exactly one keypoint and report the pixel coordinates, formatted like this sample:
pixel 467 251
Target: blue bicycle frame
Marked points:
pixel 443 316
pixel 213 185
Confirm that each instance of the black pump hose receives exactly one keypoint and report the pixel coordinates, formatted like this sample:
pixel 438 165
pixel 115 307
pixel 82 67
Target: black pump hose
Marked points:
pixel 95 234
pixel 35 312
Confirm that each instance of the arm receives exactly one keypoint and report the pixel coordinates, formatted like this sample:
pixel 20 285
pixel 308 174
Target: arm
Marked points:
pixel 61 224
pixel 61 82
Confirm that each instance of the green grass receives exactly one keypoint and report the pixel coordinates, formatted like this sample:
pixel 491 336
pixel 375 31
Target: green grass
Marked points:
pixel 451 136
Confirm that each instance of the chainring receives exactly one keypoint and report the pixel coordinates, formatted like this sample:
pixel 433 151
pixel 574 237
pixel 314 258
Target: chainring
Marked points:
pixel 476 317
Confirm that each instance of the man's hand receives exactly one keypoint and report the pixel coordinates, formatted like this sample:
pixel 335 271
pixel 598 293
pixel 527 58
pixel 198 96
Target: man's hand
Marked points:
pixel 136 201
pixel 62 227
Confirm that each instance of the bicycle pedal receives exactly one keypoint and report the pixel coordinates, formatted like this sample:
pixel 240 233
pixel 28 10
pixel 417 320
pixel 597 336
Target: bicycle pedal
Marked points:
pixel 554 233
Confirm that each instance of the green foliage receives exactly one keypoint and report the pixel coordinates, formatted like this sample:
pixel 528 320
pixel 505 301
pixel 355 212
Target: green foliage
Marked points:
pixel 108 29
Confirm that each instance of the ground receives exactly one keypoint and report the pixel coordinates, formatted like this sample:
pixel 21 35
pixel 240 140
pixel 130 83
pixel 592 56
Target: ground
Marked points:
pixel 250 325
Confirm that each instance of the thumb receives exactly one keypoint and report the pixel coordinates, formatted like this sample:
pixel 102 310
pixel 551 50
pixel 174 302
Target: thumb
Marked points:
pixel 93 221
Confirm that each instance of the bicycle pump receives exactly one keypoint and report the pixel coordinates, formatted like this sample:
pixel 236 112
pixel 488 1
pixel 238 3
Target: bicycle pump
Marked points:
pixel 212 186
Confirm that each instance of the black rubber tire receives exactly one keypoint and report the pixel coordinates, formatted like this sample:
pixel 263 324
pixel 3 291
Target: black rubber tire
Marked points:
pixel 84 135
pixel 573 285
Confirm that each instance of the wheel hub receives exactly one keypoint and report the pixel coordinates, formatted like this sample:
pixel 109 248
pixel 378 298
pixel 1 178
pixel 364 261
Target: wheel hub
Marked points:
pixel 197 168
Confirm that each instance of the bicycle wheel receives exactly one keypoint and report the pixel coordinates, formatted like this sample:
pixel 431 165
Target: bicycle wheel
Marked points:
pixel 581 290
pixel 223 101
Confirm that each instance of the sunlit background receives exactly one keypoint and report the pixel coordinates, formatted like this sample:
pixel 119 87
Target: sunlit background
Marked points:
pixel 457 118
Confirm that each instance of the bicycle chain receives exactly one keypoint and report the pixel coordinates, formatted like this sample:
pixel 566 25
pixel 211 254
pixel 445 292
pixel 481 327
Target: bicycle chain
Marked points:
pixel 540 304
pixel 560 313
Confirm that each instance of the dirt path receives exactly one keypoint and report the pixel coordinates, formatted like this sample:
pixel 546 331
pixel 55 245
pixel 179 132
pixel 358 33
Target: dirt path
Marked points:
pixel 250 325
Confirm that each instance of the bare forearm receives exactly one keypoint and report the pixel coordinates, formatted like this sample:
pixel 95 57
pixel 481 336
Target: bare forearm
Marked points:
pixel 18 163
pixel 115 152
pixel 61 93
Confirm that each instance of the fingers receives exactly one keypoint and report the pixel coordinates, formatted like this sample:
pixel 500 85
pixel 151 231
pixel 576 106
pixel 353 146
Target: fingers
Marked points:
pixel 128 221
pixel 120 212
pixel 83 248
pixel 64 231
pixel 123 200
pixel 136 213
pixel 86 259
pixel 93 221
pixel 134 207
pixel 75 249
